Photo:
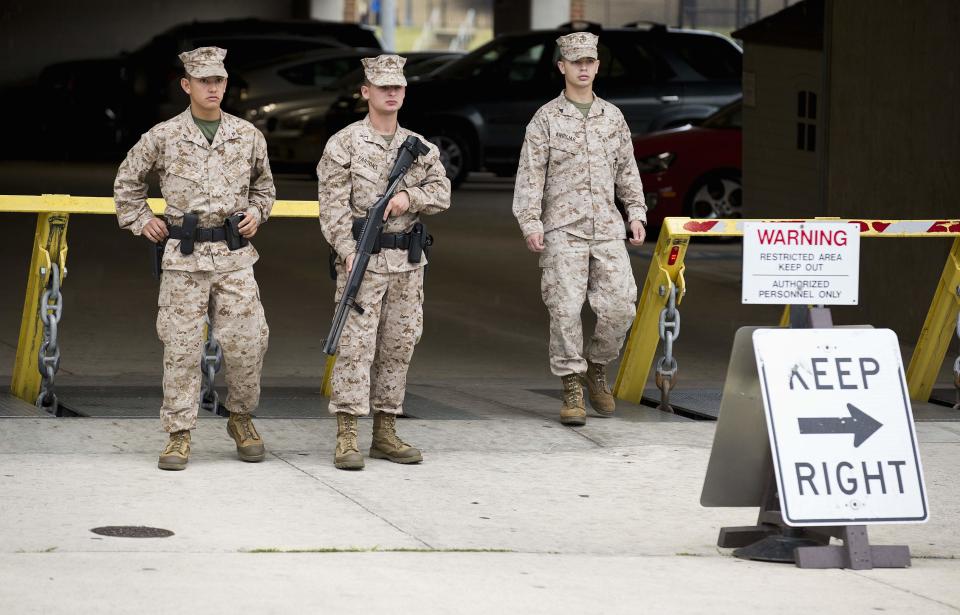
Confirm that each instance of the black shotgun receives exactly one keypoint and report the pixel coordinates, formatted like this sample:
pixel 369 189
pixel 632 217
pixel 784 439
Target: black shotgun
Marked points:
pixel 411 149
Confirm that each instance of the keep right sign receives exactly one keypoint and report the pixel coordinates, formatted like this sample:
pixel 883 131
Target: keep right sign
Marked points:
pixel 841 427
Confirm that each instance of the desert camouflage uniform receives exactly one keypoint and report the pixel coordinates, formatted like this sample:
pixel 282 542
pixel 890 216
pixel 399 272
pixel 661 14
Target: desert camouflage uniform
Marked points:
pixel 214 181
pixel 571 169
pixel 353 174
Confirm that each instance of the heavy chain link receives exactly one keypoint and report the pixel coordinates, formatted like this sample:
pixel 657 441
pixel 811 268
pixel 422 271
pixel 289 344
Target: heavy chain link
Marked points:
pixel 210 363
pixel 669 329
pixel 48 359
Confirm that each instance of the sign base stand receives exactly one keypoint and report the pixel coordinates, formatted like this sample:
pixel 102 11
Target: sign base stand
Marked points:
pixel 771 540
pixel 808 547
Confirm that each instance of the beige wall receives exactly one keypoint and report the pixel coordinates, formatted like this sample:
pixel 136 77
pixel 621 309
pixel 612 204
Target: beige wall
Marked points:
pixel 894 133
pixel 780 181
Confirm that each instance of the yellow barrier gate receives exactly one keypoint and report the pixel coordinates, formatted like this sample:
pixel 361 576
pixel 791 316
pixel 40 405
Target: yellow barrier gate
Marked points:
pixel 664 283
pixel 50 255
pixel 655 316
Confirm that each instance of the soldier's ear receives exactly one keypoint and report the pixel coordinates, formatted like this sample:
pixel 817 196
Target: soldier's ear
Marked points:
pixel 185 84
pixel 561 67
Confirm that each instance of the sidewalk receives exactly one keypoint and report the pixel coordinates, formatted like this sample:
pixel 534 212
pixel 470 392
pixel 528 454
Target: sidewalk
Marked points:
pixel 510 512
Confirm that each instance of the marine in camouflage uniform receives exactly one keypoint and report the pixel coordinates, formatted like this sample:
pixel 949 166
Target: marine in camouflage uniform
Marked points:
pixel 577 157
pixel 213 176
pixel 376 347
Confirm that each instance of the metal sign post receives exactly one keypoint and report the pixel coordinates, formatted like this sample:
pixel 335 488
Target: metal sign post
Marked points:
pixel 796 420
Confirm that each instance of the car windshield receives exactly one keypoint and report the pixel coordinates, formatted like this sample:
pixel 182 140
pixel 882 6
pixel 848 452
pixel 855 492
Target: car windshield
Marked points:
pixel 320 73
pixel 519 57
pixel 714 57
pixel 730 116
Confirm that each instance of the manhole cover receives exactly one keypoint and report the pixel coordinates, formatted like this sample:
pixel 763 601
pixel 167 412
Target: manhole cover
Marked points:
pixel 132 531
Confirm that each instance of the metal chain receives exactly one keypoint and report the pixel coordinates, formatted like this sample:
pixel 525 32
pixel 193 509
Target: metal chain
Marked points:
pixel 210 363
pixel 956 367
pixel 669 328
pixel 48 359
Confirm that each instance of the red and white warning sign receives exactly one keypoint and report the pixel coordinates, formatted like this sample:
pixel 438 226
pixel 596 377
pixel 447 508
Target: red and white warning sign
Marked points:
pixel 802 263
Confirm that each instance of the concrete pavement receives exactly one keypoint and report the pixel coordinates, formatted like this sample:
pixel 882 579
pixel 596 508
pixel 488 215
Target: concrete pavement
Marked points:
pixel 510 512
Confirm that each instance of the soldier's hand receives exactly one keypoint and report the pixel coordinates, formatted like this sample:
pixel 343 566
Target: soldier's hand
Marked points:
pixel 535 242
pixel 349 263
pixel 248 226
pixel 155 230
pixel 638 233
pixel 397 206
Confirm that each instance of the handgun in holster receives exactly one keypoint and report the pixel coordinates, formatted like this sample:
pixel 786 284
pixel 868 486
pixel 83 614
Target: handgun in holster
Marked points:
pixel 420 242
pixel 189 226
pixel 231 227
pixel 156 258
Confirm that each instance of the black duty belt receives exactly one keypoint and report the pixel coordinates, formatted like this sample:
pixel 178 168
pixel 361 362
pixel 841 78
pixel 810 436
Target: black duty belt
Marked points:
pixel 395 241
pixel 199 235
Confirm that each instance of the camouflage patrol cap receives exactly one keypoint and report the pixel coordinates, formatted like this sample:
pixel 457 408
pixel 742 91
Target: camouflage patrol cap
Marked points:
pixel 577 45
pixel 204 62
pixel 384 70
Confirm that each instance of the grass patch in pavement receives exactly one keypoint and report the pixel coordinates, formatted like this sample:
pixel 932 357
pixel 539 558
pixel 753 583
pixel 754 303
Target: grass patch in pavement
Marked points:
pixel 377 550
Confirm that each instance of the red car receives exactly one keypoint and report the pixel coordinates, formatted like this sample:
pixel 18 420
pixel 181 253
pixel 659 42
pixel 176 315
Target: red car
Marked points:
pixel 693 170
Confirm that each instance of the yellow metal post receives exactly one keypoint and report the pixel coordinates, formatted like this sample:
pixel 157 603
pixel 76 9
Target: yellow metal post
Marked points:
pixel 644 335
pixel 938 330
pixel 49 246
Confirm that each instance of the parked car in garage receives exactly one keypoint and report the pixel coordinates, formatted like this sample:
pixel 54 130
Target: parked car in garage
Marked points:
pixel 476 108
pixel 121 97
pixel 694 170
pixel 302 73
pixel 294 123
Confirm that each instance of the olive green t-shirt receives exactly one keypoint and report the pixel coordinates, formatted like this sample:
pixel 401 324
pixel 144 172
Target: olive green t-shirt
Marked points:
pixel 584 107
pixel 388 139
pixel 207 127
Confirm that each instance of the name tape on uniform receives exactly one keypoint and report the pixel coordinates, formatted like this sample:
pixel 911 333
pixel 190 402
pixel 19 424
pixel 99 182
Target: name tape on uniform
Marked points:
pixel 840 426
pixel 801 263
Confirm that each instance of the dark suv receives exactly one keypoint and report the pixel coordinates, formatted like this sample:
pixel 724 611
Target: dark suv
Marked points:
pixel 476 108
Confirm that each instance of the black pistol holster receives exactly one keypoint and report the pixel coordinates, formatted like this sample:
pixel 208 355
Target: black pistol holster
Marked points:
pixel 156 260
pixel 231 227
pixel 188 233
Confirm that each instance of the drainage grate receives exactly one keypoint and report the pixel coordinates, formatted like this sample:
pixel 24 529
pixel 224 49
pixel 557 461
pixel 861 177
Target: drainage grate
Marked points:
pixel 132 531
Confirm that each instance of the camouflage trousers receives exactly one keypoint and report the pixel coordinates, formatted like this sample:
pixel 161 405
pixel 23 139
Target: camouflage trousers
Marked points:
pixel 574 270
pixel 376 346
pixel 233 302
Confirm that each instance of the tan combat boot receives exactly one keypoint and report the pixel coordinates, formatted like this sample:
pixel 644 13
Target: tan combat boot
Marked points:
pixel 601 399
pixel 572 412
pixel 177 452
pixel 387 444
pixel 249 444
pixel 347 456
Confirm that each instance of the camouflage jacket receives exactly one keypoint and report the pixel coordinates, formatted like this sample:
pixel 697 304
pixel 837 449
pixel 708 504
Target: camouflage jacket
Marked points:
pixel 211 180
pixel 353 174
pixel 572 167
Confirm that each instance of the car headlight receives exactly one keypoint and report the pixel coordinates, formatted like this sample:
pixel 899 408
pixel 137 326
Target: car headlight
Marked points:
pixel 656 163
pixel 252 114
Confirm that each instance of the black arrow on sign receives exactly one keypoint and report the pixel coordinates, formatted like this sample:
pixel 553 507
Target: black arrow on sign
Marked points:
pixel 860 424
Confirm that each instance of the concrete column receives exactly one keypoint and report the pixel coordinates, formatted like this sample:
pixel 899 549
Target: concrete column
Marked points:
pixel 388 21
pixel 578 10
pixel 328 10
pixel 551 13
pixel 350 13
